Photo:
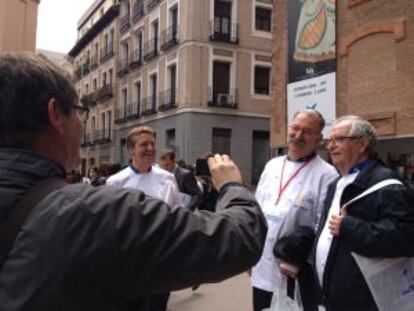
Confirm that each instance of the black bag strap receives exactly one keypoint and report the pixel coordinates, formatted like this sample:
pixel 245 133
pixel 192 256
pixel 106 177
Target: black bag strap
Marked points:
pixel 17 217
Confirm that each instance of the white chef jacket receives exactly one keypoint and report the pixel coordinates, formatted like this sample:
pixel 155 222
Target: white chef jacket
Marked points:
pixel 157 183
pixel 306 190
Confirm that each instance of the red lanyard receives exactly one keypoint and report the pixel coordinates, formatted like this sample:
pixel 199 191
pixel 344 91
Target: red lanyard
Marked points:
pixel 295 173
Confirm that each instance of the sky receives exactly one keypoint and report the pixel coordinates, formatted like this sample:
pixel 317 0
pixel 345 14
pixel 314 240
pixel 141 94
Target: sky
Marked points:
pixel 57 23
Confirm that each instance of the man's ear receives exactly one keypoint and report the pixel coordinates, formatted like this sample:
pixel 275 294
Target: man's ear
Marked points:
pixel 364 145
pixel 56 117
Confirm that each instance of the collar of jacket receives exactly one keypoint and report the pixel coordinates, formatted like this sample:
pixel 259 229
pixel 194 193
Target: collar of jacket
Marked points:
pixel 137 171
pixel 357 167
pixel 303 159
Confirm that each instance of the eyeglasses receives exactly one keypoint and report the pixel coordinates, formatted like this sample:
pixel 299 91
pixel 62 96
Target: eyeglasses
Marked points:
pixel 83 111
pixel 339 140
pixel 305 131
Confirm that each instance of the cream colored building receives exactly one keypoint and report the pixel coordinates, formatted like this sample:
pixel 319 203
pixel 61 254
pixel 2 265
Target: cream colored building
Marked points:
pixel 197 71
pixel 18 21
pixel 94 59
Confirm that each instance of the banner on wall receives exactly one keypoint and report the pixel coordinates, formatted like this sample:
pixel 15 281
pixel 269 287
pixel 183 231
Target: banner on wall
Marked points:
pixel 312 58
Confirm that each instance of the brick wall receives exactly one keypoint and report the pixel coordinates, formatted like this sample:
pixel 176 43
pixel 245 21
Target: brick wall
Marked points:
pixel 375 65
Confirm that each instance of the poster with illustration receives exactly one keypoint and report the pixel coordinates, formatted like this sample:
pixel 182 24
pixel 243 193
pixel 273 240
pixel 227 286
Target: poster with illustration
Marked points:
pixel 312 57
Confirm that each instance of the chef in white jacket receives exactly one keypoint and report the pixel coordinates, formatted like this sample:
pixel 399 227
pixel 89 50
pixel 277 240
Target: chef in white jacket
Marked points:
pixel 296 181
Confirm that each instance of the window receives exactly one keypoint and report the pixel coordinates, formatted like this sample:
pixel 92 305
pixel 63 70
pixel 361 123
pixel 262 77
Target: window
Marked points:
pixel 221 142
pixel 95 84
pixel 110 75
pixel 124 101
pixel 262 80
pixel 260 154
pixel 170 139
pixel 263 19
pixel 153 91
pixel 104 80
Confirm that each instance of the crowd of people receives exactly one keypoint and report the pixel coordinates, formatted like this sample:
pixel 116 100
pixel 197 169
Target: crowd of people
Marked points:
pixel 123 238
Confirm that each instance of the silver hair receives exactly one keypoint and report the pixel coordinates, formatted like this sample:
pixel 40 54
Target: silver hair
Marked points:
pixel 313 113
pixel 361 128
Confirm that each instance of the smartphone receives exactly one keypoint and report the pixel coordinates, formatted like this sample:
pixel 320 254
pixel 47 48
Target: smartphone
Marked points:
pixel 202 168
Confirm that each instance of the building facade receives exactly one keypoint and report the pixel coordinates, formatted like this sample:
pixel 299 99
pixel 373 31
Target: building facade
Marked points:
pixel 374 73
pixel 16 35
pixel 94 57
pixel 199 73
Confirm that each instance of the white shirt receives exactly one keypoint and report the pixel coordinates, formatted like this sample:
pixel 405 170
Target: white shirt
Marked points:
pixel 325 239
pixel 157 183
pixel 307 189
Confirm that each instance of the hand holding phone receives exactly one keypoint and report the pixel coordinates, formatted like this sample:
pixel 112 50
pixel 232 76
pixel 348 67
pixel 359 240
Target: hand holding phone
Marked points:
pixel 223 170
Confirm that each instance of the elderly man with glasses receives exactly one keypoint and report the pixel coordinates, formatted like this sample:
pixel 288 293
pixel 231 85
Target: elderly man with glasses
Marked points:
pixel 380 224
pixel 291 192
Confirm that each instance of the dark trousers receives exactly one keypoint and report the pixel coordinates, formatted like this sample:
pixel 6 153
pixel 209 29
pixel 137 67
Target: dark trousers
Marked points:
pixel 308 288
pixel 261 299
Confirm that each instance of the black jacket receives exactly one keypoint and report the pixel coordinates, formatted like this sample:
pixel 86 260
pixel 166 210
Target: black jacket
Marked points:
pixel 87 248
pixel 187 184
pixel 378 225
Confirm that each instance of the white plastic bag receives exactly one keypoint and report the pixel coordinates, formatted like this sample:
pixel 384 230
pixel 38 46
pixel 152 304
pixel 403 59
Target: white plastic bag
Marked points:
pixel 390 280
pixel 282 302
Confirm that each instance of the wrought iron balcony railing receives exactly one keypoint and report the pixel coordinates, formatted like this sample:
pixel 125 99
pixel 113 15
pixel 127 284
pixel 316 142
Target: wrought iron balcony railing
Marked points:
pixel 105 92
pixel 89 100
pixel 138 10
pixel 169 37
pixel 136 59
pixel 122 66
pixel 149 106
pixel 223 30
pixel 151 48
pixel 107 52
pixel 124 23
pixel 94 62
pixel 167 100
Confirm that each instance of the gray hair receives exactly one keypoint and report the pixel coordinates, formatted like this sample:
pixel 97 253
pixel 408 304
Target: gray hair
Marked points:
pixel 313 113
pixel 361 128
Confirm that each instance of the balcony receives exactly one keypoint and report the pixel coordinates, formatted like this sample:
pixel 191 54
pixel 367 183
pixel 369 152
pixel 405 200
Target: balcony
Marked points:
pixel 167 100
pixel 128 113
pixel 102 136
pixel 89 100
pixel 223 99
pixel 152 4
pixel 124 23
pixel 169 37
pixel 94 62
pixel 149 105
pixel 95 30
pixel 151 48
pixel 122 67
pixel 222 30
pixel 85 68
pixel 87 140
pixel 105 92
pixel 107 52
pixel 78 73
pixel 138 10
pixel 136 59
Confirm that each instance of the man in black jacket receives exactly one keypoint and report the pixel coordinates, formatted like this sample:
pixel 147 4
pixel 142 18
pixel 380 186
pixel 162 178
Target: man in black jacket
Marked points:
pixel 186 181
pixel 87 248
pixel 380 224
